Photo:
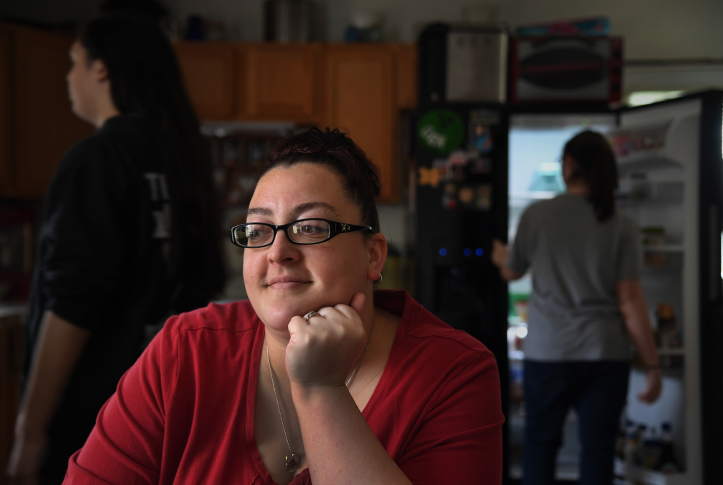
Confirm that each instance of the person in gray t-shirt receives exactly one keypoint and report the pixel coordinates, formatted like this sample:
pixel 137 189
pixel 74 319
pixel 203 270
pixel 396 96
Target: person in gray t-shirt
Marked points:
pixel 573 309
pixel 585 308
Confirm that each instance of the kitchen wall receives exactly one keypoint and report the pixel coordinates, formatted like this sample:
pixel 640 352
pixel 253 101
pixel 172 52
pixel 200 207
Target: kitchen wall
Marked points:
pixel 653 29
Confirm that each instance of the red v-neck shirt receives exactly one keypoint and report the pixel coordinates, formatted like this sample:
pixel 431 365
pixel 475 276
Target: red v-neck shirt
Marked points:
pixel 184 413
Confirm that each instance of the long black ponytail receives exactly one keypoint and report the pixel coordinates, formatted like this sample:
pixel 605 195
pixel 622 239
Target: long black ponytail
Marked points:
pixel 596 166
pixel 146 79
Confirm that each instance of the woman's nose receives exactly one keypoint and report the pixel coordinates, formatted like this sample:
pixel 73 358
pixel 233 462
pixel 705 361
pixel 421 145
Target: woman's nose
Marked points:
pixel 282 250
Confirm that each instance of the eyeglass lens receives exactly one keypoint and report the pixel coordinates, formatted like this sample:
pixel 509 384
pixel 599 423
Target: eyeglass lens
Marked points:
pixel 304 232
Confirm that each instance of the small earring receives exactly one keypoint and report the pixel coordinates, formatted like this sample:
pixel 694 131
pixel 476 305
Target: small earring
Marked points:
pixel 380 278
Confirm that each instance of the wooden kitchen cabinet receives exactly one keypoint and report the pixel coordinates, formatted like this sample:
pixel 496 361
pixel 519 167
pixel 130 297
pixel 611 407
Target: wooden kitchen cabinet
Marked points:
pixel 357 87
pixel 210 75
pixel 361 100
pixel 406 72
pixel 253 82
pixel 42 126
pixel 6 169
pixel 276 82
pixel 283 82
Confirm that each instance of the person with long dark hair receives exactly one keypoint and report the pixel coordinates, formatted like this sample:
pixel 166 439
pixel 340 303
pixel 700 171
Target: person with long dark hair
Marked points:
pixel 130 235
pixel 318 376
pixel 585 308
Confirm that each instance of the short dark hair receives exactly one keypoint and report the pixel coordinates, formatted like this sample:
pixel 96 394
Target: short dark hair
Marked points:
pixel 338 152
pixel 596 166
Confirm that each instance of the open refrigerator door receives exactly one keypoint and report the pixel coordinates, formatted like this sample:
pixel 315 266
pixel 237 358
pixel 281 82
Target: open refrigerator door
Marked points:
pixel 665 161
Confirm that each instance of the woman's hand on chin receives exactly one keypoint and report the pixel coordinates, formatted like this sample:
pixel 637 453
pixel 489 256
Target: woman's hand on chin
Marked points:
pixel 322 351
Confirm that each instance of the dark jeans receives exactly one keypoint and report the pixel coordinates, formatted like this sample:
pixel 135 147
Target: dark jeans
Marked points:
pixel 597 391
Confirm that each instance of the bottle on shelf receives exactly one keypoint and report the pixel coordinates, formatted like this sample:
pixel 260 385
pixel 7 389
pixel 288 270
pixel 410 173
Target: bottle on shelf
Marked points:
pixel 622 439
pixel 651 450
pixel 641 431
pixel 631 450
pixel 653 236
pixel 668 336
pixel 668 465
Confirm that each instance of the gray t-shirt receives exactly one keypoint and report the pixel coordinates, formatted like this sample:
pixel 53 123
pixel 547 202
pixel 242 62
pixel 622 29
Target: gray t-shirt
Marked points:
pixel 576 263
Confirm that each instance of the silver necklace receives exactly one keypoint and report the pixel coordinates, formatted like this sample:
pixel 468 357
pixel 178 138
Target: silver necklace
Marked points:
pixel 293 461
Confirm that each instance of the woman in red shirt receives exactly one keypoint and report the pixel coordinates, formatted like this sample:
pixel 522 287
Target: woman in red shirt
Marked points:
pixel 317 376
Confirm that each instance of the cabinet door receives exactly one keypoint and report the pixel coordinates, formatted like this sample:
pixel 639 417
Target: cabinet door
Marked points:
pixel 360 99
pixel 6 172
pixel 406 64
pixel 283 82
pixel 209 72
pixel 44 125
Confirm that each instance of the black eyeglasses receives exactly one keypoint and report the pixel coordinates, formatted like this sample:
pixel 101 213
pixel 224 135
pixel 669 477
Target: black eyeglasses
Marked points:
pixel 303 231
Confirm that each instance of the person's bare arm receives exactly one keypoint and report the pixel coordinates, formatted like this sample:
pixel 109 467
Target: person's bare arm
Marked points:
pixel 59 346
pixel 634 310
pixel 339 442
pixel 499 259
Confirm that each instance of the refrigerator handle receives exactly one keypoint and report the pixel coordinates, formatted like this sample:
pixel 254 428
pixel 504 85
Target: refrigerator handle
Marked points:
pixel 714 248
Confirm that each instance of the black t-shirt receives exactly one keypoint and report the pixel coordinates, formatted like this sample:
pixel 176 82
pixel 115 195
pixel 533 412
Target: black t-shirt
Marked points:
pixel 101 264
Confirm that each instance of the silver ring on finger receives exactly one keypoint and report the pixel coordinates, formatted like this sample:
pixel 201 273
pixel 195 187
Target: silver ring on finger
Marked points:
pixel 311 314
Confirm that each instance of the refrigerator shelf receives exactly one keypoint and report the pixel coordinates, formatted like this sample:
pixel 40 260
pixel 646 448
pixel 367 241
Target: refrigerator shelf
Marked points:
pixel 563 472
pixel 665 248
pixel 536 195
pixel 516 355
pixel 671 352
pixel 645 160
pixel 635 474
pixel 519 355
pixel 635 192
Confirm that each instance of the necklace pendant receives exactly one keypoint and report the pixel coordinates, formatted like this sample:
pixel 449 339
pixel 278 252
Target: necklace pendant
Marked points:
pixel 292 463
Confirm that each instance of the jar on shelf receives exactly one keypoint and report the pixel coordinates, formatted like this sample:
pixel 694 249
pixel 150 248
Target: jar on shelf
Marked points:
pixel 653 236
pixel 668 335
pixel 668 338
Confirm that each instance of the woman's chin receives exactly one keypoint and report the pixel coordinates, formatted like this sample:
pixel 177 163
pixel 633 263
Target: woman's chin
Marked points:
pixel 277 312
pixel 278 319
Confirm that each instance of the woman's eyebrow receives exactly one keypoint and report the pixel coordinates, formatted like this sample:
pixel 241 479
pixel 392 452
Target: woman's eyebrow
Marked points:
pixel 301 208
pixel 262 211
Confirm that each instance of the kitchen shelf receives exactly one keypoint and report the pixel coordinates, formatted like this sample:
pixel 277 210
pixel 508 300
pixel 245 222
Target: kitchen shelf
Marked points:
pixel 636 474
